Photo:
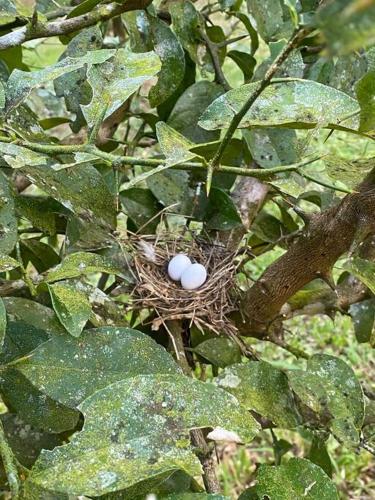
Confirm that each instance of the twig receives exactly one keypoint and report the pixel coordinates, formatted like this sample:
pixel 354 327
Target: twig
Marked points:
pixel 66 26
pixel 299 35
pixel 124 162
pixel 10 465
pixel 214 54
pixel 203 450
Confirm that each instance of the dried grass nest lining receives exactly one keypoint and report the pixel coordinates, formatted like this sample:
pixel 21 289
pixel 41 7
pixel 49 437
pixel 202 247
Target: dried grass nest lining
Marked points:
pixel 206 307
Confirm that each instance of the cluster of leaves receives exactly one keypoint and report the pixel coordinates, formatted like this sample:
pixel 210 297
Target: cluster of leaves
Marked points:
pixel 94 406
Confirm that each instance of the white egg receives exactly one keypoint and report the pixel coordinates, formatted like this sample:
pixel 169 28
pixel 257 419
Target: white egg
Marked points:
pixel 193 277
pixel 177 266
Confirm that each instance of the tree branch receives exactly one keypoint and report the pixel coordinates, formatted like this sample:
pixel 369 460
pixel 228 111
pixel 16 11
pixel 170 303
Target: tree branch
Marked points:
pixel 66 26
pixel 203 450
pixel 328 236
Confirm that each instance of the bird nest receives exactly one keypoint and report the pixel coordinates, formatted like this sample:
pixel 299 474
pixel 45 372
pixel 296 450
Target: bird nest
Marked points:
pixel 207 307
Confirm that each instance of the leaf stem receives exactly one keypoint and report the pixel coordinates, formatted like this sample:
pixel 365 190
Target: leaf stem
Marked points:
pixel 10 465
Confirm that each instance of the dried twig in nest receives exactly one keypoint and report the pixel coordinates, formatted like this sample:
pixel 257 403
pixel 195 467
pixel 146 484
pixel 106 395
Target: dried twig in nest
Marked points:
pixel 206 307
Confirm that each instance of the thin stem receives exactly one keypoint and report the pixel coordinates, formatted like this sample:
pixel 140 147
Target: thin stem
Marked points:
pixel 325 184
pixel 214 54
pixel 10 465
pixel 204 452
pixel 299 35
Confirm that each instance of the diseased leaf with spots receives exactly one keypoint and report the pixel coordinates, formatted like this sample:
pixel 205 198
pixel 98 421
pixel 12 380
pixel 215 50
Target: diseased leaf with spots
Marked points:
pixel 195 496
pixel 117 79
pixel 271 147
pixel 71 307
pixel 21 83
pixel 123 444
pixel 330 388
pixel 8 220
pixel 18 156
pixel 363 316
pixel 365 90
pixel 69 370
pixel 298 478
pixel 362 269
pixel 264 388
pixel 81 189
pixel 185 23
pixel 268 15
pixel 350 172
pixel 73 86
pixel 219 351
pixel 80 264
pixel 148 32
pixel 8 263
pixel 174 146
pixel 34 314
pixel 291 103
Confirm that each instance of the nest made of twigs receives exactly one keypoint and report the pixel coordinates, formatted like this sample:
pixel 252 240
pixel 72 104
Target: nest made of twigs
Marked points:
pixel 207 307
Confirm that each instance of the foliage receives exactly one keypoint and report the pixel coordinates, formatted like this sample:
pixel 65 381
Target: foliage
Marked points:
pixel 237 123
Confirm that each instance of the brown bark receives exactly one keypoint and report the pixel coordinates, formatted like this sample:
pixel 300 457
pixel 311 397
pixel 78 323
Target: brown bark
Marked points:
pixel 328 236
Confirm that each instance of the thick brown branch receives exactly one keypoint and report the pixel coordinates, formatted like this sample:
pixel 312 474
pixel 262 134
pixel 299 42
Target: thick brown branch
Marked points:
pixel 65 26
pixel 328 236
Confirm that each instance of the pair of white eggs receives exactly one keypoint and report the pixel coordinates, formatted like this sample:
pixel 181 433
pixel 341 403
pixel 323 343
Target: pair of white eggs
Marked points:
pixel 192 276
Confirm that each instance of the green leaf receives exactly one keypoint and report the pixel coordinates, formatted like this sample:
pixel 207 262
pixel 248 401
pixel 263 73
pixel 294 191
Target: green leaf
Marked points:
pixel 81 189
pixel 298 478
pixel 330 388
pixel 264 388
pixel 362 269
pixel 141 206
pixel 71 307
pixel 69 370
pixel 82 8
pixel 34 407
pixel 174 146
pixel 73 86
pixel 34 314
pixel 365 90
pixel 347 25
pixel 185 23
pixel 271 147
pixel 3 323
pixel 8 263
pixel 268 15
pixel 293 103
pixel 195 496
pixel 363 316
pixel 114 81
pixel 319 455
pixel 27 442
pixel 245 62
pixel 350 172
pixel 188 108
pixel 21 83
pixel 171 187
pixel 44 213
pixel 123 445
pixel 221 213
pixel 41 255
pixel 8 220
pixel 220 351
pixel 81 264
pixel 8 12
pixel 18 156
